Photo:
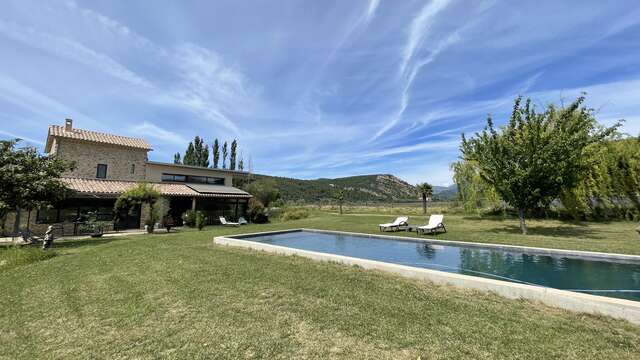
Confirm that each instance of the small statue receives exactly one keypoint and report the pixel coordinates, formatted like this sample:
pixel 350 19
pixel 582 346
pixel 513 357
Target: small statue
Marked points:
pixel 48 238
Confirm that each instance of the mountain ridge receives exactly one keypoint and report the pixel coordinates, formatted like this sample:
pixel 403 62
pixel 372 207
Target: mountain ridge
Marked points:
pixel 358 188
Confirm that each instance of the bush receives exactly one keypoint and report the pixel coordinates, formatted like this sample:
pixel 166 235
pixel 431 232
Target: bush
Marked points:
pixel 256 212
pixel 189 218
pixel 294 214
pixel 201 220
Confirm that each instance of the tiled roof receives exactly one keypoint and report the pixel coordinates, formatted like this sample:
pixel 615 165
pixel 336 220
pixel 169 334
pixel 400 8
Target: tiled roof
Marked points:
pixel 116 187
pixel 94 136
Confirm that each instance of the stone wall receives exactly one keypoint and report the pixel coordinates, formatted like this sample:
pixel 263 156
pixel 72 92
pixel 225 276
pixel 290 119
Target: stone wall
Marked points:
pixel 87 156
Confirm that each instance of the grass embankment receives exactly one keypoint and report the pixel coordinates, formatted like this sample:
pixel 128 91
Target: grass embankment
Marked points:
pixel 180 296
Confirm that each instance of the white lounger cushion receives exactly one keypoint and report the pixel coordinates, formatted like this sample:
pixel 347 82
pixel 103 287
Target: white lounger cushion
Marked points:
pixel 434 222
pixel 224 221
pixel 399 221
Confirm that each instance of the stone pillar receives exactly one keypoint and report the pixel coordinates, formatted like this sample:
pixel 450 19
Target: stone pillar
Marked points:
pixel 193 203
pixel 144 214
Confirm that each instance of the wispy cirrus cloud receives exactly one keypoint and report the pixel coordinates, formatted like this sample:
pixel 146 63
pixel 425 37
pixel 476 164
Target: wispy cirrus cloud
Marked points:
pixel 70 50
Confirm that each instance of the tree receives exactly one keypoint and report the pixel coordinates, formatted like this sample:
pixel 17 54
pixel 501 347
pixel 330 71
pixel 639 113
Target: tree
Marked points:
pixel 29 180
pixel 474 192
pixel 142 193
pixel 425 190
pixel 189 155
pixel 225 152
pixel 264 190
pixel 233 156
pixel 201 152
pixel 535 156
pixel 216 153
pixel 197 153
pixel 176 158
pixel 241 164
pixel 339 195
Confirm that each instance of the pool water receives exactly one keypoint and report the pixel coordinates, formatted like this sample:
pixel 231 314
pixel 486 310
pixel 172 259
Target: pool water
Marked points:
pixel 594 276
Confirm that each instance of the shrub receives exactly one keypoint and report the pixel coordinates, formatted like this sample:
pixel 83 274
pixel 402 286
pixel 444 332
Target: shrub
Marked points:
pixel 189 218
pixel 201 220
pixel 256 211
pixel 294 214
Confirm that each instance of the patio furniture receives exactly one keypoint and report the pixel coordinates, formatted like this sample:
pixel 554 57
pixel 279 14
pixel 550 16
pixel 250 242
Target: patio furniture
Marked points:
pixel 397 224
pixel 224 222
pixel 242 221
pixel 433 226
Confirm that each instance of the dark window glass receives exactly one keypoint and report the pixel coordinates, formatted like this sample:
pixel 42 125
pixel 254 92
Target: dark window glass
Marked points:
pixel 197 179
pixel 47 216
pixel 174 177
pixel 101 172
pixel 133 168
pixel 215 181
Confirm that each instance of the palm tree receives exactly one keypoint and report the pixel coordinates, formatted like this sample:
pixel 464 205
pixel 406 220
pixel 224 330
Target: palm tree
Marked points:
pixel 426 191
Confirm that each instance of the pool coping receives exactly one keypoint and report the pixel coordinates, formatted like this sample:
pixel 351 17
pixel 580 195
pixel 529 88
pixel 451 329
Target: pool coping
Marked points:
pixel 578 302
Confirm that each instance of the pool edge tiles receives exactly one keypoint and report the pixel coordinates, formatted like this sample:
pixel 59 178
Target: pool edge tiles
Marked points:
pixel 579 302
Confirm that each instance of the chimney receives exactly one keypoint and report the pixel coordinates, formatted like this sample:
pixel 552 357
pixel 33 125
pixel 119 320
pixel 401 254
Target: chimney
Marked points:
pixel 68 124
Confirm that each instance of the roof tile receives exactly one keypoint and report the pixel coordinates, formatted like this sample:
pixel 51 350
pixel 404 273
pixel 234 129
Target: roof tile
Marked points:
pixel 94 136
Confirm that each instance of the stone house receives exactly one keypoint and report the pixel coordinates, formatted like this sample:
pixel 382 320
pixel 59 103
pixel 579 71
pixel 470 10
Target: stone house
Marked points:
pixel 108 164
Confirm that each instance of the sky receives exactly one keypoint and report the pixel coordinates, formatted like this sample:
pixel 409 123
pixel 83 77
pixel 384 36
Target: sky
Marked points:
pixel 312 88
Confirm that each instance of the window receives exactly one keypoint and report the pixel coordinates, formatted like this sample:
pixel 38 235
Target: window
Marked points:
pixel 47 216
pixel 193 179
pixel 215 181
pixel 133 169
pixel 174 178
pixel 101 172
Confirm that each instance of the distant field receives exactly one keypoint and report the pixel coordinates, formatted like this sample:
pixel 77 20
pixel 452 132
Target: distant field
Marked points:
pixel 179 296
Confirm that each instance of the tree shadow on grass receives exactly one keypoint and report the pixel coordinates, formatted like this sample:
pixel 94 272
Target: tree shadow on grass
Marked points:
pixel 75 243
pixel 555 231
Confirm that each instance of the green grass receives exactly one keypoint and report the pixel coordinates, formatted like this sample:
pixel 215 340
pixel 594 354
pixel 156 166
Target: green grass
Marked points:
pixel 180 296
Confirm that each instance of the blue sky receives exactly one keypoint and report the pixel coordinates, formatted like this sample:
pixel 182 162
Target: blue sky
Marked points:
pixel 312 88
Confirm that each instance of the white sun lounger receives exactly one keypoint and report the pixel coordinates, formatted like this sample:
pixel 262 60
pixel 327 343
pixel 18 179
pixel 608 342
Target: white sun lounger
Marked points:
pixel 435 224
pixel 242 221
pixel 224 222
pixel 399 222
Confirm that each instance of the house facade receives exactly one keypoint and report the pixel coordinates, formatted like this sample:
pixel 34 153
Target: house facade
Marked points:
pixel 106 165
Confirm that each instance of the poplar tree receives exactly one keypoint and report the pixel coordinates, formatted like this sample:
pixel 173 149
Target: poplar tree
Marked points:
pixel 233 156
pixel 225 152
pixel 216 153
pixel 189 155
pixel 176 158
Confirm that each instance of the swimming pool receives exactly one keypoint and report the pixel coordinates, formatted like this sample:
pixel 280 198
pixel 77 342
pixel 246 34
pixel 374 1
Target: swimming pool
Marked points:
pixel 604 277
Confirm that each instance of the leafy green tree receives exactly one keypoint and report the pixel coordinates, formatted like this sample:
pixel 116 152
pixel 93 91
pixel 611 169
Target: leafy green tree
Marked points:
pixel 142 193
pixel 176 158
pixel 264 190
pixel 189 155
pixel 225 152
pixel 201 152
pixel 29 180
pixel 234 154
pixel 216 153
pixel 474 192
pixel 241 164
pixel 425 190
pixel 535 156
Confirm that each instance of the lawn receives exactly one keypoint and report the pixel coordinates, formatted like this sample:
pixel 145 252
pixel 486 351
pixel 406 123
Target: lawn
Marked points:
pixel 179 296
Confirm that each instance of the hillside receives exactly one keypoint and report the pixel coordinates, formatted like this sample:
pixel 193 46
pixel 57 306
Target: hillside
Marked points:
pixel 379 187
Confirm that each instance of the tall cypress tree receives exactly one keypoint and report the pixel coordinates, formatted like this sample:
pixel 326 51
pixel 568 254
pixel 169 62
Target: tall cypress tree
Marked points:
pixel 176 158
pixel 234 154
pixel 216 153
pixel 225 152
